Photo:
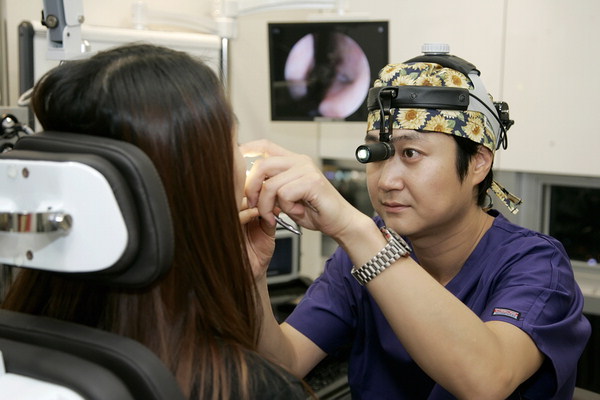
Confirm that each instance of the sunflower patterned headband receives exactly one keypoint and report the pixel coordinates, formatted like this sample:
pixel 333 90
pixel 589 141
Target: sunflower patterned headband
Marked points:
pixel 469 124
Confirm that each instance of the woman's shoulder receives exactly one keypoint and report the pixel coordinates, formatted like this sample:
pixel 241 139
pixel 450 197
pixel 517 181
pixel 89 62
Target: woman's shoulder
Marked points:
pixel 270 382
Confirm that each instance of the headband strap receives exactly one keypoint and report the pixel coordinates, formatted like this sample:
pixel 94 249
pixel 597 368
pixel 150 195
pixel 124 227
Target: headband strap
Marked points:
pixel 510 200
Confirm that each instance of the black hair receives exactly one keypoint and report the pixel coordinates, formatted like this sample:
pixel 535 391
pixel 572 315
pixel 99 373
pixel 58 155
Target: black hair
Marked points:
pixel 466 149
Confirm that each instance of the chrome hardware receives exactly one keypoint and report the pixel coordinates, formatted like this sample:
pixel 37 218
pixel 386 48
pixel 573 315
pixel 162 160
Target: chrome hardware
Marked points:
pixel 42 222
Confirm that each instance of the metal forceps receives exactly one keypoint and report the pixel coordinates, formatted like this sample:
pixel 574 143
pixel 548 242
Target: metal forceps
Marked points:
pixel 287 226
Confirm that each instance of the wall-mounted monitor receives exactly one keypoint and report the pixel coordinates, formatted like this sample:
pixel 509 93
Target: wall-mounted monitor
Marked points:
pixel 566 207
pixel 572 215
pixel 323 70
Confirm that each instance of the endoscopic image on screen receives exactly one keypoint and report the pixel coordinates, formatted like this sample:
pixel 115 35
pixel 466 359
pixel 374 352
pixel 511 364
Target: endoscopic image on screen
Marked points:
pixel 338 84
pixel 324 70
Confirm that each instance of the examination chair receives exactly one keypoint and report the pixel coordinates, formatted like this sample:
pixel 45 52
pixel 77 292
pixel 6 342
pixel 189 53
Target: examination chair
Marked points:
pixel 93 208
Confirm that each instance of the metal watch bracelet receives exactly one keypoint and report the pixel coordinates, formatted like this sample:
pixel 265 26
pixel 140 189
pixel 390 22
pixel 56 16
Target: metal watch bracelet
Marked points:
pixel 395 248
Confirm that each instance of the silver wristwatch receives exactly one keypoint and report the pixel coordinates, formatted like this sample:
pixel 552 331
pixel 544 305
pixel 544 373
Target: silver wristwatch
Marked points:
pixel 395 248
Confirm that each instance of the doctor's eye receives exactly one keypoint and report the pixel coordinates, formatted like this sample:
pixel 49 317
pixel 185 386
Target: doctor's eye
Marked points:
pixel 410 154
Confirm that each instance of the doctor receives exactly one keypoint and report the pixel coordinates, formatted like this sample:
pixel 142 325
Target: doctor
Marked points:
pixel 439 295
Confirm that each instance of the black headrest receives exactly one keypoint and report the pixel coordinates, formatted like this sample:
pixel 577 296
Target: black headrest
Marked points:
pixel 138 191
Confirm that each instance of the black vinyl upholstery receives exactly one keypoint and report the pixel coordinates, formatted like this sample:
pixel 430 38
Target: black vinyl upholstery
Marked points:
pixel 96 364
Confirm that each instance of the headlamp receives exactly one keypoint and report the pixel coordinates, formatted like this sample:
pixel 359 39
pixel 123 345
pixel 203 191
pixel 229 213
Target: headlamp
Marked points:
pixel 382 150
pixel 372 152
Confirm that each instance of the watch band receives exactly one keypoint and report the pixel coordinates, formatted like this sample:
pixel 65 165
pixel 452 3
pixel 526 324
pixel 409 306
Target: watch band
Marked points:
pixel 395 248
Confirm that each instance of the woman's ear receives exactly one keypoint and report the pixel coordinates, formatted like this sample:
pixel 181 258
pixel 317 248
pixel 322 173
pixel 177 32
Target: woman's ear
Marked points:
pixel 481 164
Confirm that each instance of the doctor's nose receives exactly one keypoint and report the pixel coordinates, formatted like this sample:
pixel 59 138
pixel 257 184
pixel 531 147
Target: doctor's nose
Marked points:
pixel 391 174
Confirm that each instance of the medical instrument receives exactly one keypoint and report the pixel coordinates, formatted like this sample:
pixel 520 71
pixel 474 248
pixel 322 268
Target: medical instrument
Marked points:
pixel 287 225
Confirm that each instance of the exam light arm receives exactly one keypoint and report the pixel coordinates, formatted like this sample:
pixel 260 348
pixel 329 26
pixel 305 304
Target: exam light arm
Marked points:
pixel 63 18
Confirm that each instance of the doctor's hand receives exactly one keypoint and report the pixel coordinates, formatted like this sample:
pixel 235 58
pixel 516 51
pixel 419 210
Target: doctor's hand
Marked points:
pixel 292 183
pixel 260 239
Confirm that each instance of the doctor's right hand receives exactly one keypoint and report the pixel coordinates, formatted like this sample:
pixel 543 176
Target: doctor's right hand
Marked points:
pixel 291 182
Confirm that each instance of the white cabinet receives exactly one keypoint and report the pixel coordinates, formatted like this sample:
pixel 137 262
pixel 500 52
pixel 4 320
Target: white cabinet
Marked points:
pixel 551 83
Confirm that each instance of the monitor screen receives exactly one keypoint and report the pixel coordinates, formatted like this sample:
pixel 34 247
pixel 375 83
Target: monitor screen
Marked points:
pixel 323 70
pixel 284 264
pixel 573 217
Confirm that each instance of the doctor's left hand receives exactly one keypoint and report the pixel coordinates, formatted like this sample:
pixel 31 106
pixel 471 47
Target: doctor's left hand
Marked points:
pixel 260 239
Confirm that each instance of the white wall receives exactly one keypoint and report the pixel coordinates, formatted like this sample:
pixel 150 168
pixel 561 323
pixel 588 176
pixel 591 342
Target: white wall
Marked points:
pixel 538 55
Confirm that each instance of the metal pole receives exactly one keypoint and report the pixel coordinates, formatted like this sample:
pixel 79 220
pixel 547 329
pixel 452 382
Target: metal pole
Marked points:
pixel 3 53
pixel 224 64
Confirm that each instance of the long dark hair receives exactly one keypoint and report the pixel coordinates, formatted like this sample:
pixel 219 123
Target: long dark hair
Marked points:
pixel 202 317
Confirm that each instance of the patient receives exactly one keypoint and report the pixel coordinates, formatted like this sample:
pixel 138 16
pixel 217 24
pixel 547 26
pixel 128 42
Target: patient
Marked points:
pixel 200 318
